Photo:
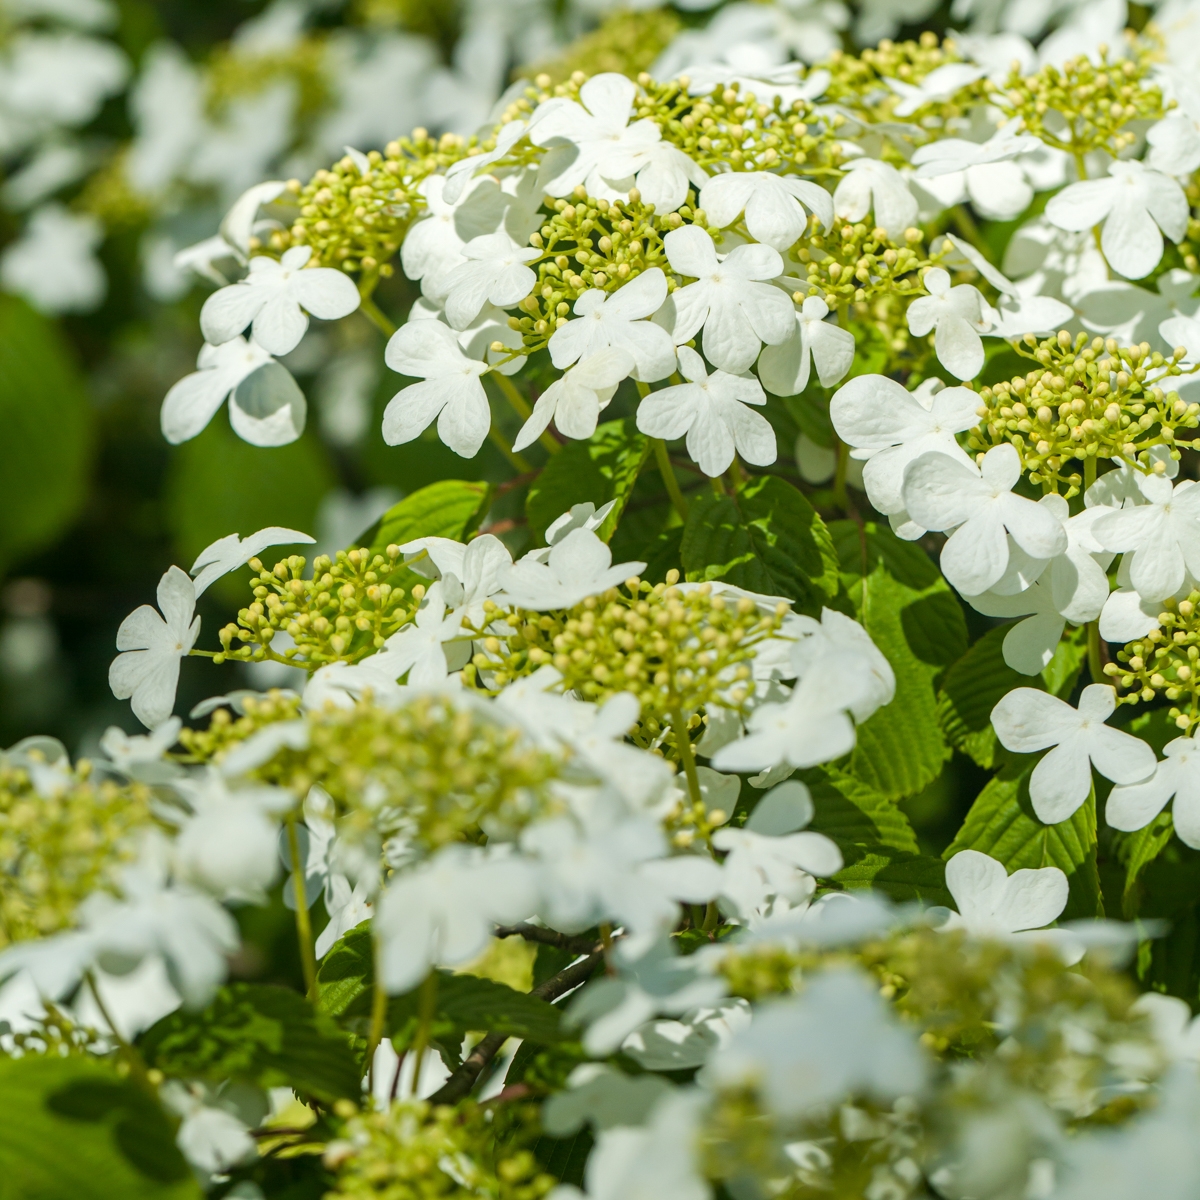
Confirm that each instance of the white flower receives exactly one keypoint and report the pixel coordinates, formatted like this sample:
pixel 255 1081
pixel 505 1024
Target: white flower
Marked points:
pixel 442 912
pixel 939 84
pixel 940 493
pixel 955 170
pixel 1027 720
pixel 1177 1031
pixel 228 553
pixel 1135 805
pixel 784 369
pixel 495 272
pixel 141 756
pixel 212 1140
pixel 776 206
pixel 459 174
pixel 837 1039
pixel 993 904
pixel 711 410
pixel 839 643
pixel 1165 533
pixel 889 427
pixel 579 566
pixel 347 907
pixel 575 401
pixel 736 311
pixel 956 313
pixel 614 319
pixel 1175 141
pixel 474 570
pixel 53 264
pixel 1134 203
pixel 419 649
pixel 872 186
pixel 273 299
pixel 152 646
pixel 452 391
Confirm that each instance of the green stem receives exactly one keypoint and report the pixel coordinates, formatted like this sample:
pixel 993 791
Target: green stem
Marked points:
pixel 840 496
pixel 379 1007
pixel 137 1065
pixel 1089 471
pixel 686 757
pixel 377 316
pixel 965 224
pixel 1095 666
pixel 521 407
pixel 426 1010
pixel 519 463
pixel 663 459
pixel 304 933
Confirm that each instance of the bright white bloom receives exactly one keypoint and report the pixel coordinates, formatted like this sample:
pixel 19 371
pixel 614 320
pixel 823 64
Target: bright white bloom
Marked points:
pixel 442 912
pixel 939 84
pixel 575 401
pixel 53 263
pixel 1027 720
pixel 614 319
pixel 955 170
pixel 476 569
pixel 580 516
pixel 147 671
pixel 228 553
pixel 993 904
pixel 579 566
pixel 837 1038
pixel 784 369
pixel 728 301
pixel 940 493
pixel 459 174
pixel 956 313
pixel 1136 805
pixel 1177 1031
pixel 452 391
pixel 839 643
pixel 1175 141
pixel 495 272
pixel 873 186
pixel 1165 533
pixel 890 427
pixel 711 410
pixel 348 907
pixel 776 206
pixel 1133 203
pixel 419 649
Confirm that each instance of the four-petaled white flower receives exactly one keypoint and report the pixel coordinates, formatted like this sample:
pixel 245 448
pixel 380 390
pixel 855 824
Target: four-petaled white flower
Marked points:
pixel 575 401
pixel 776 206
pixel 711 410
pixel 230 552
pixel 784 369
pixel 993 904
pixel 955 170
pixel 1135 805
pixel 419 649
pixel 872 186
pixel 956 313
pixel 579 566
pixel 838 643
pixel 940 493
pixel 615 319
pixel 1027 720
pixel 1133 203
pixel 152 645
pixel 273 300
pixel 452 390
pixel 495 272
pixel 728 301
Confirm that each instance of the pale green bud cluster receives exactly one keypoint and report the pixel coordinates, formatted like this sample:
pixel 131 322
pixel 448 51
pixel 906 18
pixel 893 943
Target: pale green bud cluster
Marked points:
pixel 234 74
pixel 56 1035
pixel 226 731
pixel 858 264
pixel 627 42
pixel 1165 662
pixel 1097 400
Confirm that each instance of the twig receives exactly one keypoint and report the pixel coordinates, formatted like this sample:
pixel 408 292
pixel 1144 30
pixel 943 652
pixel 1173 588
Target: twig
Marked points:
pixel 547 937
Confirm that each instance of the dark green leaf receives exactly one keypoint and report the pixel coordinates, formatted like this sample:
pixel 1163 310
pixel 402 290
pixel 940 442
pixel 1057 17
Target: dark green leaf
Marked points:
pixel 263 1034
pixel 565 1158
pixel 663 555
pixel 1137 851
pixel 603 468
pixel 346 972
pixel 897 874
pixel 1061 672
pixel 973 686
pixel 850 813
pixel 767 538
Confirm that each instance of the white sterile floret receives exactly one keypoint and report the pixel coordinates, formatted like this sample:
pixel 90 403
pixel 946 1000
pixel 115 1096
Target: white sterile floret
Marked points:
pixel 147 671
pixel 575 401
pixel 873 186
pixel 419 649
pixel 711 410
pixel 784 369
pixel 728 301
pixel 1175 140
pixel 776 206
pixel 614 319
pixel 213 1140
pixel 1177 1031
pixel 452 390
pixel 955 170
pixel 939 84
pixel 230 552
pixel 1027 720
pixel 579 566
pixel 274 298
pixel 1164 533
pixel 993 904
pixel 494 272
pixel 940 493
pixel 1133 203
pixel 459 174
pixel 1135 805
pixel 472 572
pixel 838 643
pixel 889 427
pixel 956 313
pixel 769 859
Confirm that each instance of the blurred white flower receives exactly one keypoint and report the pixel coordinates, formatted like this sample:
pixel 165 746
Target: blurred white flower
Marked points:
pixel 53 263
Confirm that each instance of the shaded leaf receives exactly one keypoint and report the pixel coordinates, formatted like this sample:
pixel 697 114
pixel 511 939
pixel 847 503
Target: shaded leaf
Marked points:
pixel 897 874
pixel 973 686
pixel 851 813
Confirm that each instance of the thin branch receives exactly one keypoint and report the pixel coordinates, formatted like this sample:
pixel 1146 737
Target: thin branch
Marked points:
pixel 547 937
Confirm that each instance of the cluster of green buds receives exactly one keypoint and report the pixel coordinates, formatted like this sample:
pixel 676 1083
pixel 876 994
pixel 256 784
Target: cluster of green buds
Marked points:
pixel 677 650
pixel 857 264
pixel 626 41
pixel 1166 661
pixel 417 1151
pixel 1084 106
pixel 233 74
pixel 224 731
pixel 60 843
pixel 1084 401
pixel 56 1035
pixel 344 612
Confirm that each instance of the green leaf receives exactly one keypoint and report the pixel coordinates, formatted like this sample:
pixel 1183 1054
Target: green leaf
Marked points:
pixel 850 813
pixel 263 1034
pixel 1061 672
pixel 46 419
pixel 73 1129
pixel 346 972
pixel 1002 824
pixel 565 1158
pixel 973 686
pixel 767 539
pixel 897 874
pixel 1136 851
pixel 603 468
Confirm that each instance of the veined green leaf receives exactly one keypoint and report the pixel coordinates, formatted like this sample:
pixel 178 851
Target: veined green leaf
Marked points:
pixel 852 814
